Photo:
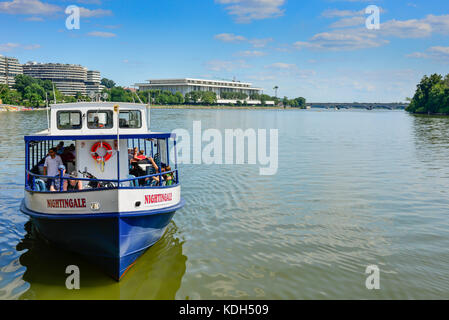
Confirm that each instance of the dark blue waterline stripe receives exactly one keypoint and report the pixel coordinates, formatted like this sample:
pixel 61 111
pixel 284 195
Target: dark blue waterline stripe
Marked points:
pixel 81 216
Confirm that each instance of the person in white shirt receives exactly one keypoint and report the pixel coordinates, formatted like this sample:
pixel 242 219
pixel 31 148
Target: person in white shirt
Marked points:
pixel 51 167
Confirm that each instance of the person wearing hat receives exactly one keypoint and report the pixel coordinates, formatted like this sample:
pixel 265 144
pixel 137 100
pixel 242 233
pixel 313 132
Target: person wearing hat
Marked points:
pixel 56 182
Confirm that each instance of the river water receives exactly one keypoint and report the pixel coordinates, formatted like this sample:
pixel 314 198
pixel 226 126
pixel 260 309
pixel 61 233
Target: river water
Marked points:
pixel 353 189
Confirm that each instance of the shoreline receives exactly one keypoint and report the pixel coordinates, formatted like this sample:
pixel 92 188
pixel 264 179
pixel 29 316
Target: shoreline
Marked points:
pixel 429 114
pixel 9 108
pixel 219 107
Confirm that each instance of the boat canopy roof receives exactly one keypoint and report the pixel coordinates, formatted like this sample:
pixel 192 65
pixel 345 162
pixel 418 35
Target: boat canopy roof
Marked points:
pixel 98 119
pixel 47 137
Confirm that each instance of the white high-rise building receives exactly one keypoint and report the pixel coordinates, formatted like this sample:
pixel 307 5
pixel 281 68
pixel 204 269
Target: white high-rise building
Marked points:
pixel 9 69
pixel 93 82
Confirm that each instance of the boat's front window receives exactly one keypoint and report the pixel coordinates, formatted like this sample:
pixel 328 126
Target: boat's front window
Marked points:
pixel 100 119
pixel 69 120
pixel 130 119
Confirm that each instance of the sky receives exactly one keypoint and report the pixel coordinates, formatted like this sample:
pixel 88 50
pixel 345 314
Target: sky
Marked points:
pixel 321 50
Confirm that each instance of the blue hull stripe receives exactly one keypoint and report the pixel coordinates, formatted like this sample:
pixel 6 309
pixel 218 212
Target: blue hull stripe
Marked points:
pixel 35 214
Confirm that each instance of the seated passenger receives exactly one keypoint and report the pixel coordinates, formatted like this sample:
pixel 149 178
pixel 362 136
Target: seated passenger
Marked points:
pixel 141 156
pixel 56 185
pixel 137 171
pixel 134 154
pixel 72 184
pixel 170 175
pixel 169 179
pixel 152 170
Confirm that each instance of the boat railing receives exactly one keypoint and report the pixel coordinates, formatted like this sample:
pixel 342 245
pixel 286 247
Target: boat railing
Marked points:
pixel 135 180
pixel 94 184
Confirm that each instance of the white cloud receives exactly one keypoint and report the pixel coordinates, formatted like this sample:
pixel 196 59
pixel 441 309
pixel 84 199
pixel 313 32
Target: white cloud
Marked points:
pixel 335 13
pixel 251 53
pixel 406 29
pixel 416 28
pixel 436 53
pixel 342 40
pixel 11 46
pixel 349 22
pixel 282 65
pixel 260 43
pixel 8 46
pixel 246 11
pixel 232 38
pixel 87 13
pixel 361 38
pixel 101 34
pixel 229 37
pixel 348 18
pixel 34 7
pixel 225 65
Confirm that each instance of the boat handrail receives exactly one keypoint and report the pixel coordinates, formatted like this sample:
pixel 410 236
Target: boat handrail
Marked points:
pixel 118 182
pixel 68 178
pixel 149 176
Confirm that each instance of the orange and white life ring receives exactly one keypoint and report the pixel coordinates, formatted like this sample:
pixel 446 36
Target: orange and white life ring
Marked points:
pixel 98 145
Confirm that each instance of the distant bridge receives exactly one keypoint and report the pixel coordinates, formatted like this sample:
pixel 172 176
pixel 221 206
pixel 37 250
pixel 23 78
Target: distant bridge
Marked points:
pixel 356 105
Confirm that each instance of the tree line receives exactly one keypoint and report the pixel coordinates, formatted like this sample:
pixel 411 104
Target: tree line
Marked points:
pixel 164 97
pixel 31 92
pixel 431 96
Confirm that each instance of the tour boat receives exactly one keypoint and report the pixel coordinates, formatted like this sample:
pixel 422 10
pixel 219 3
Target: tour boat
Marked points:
pixel 116 207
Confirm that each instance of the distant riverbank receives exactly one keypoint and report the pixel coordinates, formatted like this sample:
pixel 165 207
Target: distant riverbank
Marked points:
pixel 202 107
pixel 219 107
pixel 19 108
pixel 10 108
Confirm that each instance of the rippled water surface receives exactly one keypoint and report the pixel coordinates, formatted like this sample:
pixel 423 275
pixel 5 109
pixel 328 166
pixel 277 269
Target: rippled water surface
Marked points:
pixel 354 188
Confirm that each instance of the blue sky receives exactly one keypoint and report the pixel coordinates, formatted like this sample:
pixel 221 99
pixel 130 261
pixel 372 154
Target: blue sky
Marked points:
pixel 319 49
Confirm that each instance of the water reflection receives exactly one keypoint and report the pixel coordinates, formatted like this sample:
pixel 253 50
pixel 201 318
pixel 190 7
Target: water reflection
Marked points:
pixel 431 129
pixel 156 275
pixel 431 136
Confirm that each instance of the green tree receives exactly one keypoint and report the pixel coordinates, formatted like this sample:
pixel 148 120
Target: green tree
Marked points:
pixel 108 83
pixel 431 96
pixel 179 98
pixel 300 102
pixel 209 97
pixel 9 96
pixel 193 97
pixel 22 81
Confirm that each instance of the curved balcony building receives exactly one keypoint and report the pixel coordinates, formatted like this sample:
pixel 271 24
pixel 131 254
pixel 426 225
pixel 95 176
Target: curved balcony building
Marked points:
pixel 69 79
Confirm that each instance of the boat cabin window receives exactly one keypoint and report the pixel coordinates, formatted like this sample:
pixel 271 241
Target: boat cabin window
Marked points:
pixel 100 119
pixel 69 120
pixel 130 119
